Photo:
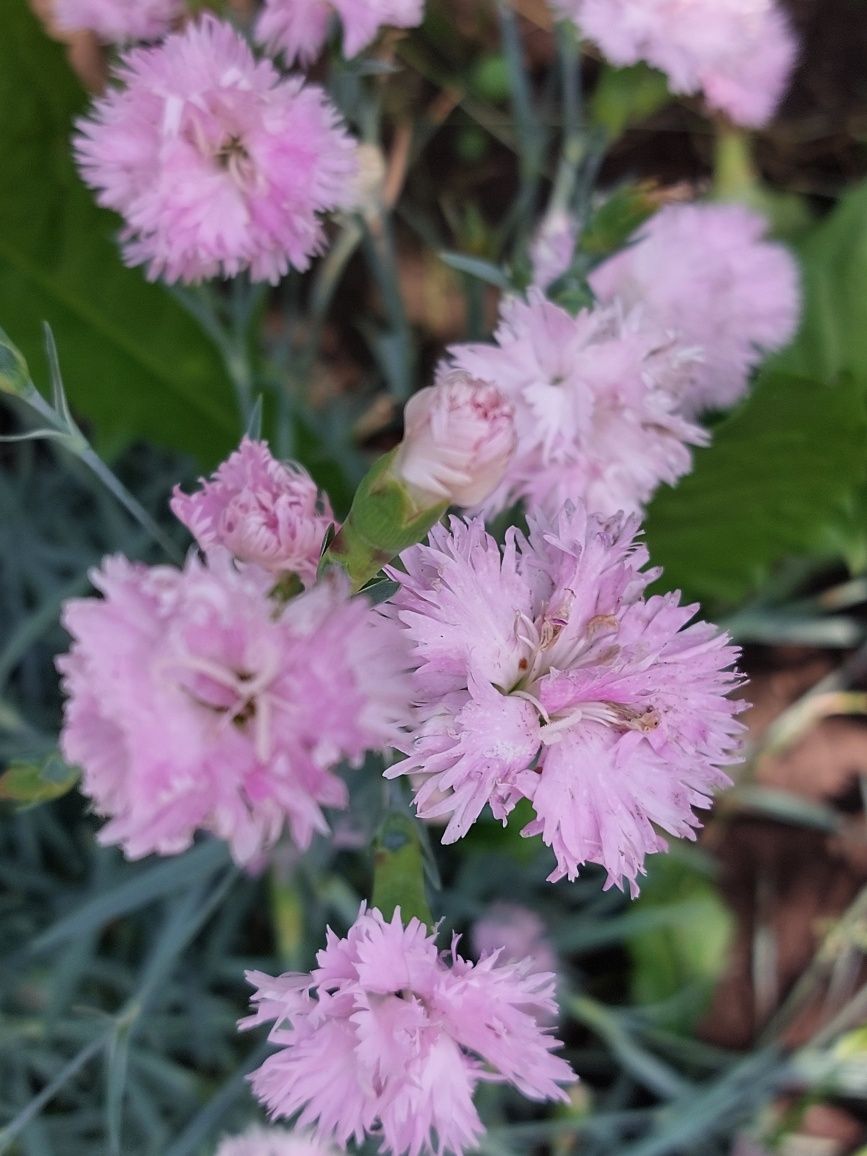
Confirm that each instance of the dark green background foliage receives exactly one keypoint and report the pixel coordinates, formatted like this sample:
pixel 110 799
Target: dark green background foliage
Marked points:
pixel 135 364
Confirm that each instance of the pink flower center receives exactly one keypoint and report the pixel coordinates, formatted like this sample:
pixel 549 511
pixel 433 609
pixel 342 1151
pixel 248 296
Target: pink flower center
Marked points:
pixel 239 697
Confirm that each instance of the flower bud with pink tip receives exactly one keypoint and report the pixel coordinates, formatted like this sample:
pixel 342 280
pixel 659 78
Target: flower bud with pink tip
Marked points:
pixel 459 438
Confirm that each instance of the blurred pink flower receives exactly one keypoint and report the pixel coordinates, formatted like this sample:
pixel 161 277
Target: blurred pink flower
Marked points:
pixel 216 164
pixel 739 53
pixel 707 274
pixel 261 510
pixel 595 404
pixel 195 702
pixel 458 440
pixel 386 1035
pixel 518 932
pixel 299 28
pixel 119 21
pixel 542 672
pixel 259 1141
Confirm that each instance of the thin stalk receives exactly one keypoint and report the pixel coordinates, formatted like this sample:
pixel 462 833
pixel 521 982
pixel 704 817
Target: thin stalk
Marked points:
pixel 74 441
pixel 526 122
pixel 573 146
pixel 229 339
pixel 381 253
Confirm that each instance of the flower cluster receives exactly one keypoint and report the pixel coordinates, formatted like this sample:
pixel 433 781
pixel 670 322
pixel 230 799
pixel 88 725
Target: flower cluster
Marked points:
pixel 261 510
pixel 387 1035
pixel 738 53
pixel 298 29
pixel 541 672
pixel 196 702
pixel 216 164
pixel 707 274
pixel 259 1141
pixel 119 21
pixel 595 401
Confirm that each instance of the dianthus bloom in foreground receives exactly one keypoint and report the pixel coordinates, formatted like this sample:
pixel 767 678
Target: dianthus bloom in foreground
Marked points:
pixel 299 28
pixel 707 273
pixel 216 164
pixel 261 510
pixel 389 1036
pixel 541 672
pixel 739 53
pixel 195 702
pixel 119 21
pixel 259 1141
pixel 595 400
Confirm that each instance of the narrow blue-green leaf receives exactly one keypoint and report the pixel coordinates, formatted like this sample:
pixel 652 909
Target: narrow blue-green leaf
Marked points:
pixel 476 267
pixel 146 885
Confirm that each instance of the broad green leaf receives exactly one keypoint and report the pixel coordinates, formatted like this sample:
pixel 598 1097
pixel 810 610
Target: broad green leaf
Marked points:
pixel 626 96
pixel 688 955
pixel 29 784
pixel 135 364
pixel 833 335
pixel 780 472
pixel 398 870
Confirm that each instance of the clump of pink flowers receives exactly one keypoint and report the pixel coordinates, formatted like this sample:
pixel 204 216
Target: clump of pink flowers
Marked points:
pixel 261 510
pixel 738 53
pixel 298 29
pixel 459 438
pixel 195 702
pixel 708 274
pixel 542 672
pixel 119 21
pixel 217 165
pixel 388 1036
pixel 259 1141
pixel 595 402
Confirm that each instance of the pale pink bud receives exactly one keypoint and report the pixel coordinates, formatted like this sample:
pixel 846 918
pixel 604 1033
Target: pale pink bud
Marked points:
pixel 459 438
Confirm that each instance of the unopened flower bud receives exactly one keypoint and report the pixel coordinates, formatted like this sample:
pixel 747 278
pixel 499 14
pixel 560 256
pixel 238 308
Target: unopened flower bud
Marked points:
pixel 459 438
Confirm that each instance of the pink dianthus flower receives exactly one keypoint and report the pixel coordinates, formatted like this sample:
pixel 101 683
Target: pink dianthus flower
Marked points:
pixel 459 437
pixel 299 28
pixel 388 1034
pixel 216 164
pixel 195 702
pixel 739 53
pixel 261 510
pixel 118 21
pixel 708 274
pixel 259 1141
pixel 595 400
pixel 541 672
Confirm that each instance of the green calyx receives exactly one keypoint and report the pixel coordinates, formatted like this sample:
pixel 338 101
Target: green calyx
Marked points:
pixel 385 519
